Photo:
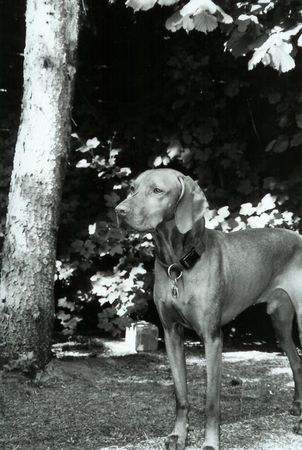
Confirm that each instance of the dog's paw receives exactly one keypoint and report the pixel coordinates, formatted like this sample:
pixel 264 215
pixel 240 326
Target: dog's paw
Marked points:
pixel 174 442
pixel 295 409
pixel 298 427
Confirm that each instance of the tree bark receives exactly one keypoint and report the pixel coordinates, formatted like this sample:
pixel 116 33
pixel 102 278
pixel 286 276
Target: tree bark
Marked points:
pixel 28 268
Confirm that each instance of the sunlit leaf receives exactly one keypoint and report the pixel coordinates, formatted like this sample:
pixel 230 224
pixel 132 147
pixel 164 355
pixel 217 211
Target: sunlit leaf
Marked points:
pixel 174 22
pixel 63 303
pixel 244 20
pixel 174 148
pixel 205 22
pixel 93 143
pixel 268 202
pixel 196 6
pixel 167 2
pixel 223 212
pixel 83 164
pixel 247 209
pixel 258 221
pixel 199 15
pixel 188 23
pixel 142 5
pixel 158 161
pixel 91 229
pixel 274 51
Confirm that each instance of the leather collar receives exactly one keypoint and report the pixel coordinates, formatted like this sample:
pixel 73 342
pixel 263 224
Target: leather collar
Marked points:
pixel 189 259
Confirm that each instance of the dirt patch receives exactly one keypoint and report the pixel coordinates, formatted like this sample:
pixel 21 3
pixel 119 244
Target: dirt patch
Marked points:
pixel 127 402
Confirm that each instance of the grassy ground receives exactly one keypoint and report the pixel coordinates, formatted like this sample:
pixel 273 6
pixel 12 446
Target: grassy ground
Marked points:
pixel 127 403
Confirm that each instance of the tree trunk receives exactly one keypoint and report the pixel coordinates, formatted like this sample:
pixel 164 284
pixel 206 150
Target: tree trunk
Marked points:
pixel 28 268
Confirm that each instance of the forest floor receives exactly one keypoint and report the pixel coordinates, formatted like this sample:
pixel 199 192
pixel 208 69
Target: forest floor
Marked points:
pixel 127 402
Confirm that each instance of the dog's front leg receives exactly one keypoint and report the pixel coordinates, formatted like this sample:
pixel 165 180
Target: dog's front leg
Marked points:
pixel 175 349
pixel 213 349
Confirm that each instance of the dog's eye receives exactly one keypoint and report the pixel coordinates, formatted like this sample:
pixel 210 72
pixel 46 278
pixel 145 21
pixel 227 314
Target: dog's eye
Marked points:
pixel 131 189
pixel 156 190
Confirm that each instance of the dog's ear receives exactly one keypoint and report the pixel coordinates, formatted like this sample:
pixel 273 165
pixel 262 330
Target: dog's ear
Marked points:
pixel 191 205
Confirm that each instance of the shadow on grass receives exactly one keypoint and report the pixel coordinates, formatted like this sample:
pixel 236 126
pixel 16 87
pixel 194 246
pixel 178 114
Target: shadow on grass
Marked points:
pixel 128 402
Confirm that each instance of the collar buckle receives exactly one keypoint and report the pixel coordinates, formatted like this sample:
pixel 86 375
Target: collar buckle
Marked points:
pixel 190 259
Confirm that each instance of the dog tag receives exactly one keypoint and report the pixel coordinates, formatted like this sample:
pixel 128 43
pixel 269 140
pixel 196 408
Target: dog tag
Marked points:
pixel 174 289
pixel 174 273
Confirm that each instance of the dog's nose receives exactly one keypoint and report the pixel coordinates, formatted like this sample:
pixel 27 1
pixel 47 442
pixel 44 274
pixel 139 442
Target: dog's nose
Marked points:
pixel 121 210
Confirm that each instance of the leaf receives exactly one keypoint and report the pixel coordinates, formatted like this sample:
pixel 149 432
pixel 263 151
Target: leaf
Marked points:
pixel 198 14
pixel 158 161
pixel 244 20
pixel 270 146
pixel 174 22
pixel 196 6
pixel 299 120
pixel 124 172
pixel 247 209
pixel 225 17
pixel 232 88
pixel 161 160
pixel 274 51
pixel 113 155
pixel 174 149
pixel 268 202
pixel 281 145
pixel 116 249
pixel 187 24
pixel 77 245
pixel 140 5
pixel 93 143
pixel 281 58
pixel 205 22
pixel 63 303
pixel 62 316
pixel 258 221
pixel 224 212
pixel 83 149
pixel 296 140
pixel 91 229
pixel 274 97
pixel 167 2
pixel 82 164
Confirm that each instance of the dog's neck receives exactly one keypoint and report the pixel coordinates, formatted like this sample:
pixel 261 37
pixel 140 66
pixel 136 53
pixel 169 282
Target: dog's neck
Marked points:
pixel 171 245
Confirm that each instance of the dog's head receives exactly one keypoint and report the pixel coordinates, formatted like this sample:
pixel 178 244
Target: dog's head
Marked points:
pixel 159 195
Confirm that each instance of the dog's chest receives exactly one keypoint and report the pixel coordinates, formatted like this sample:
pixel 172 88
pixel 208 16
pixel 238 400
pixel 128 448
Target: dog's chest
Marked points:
pixel 182 297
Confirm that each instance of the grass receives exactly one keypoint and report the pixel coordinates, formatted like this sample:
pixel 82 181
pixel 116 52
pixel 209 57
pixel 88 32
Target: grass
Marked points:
pixel 128 403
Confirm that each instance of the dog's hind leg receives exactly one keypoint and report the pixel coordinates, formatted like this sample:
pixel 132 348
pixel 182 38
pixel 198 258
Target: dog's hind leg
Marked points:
pixel 282 319
pixel 298 427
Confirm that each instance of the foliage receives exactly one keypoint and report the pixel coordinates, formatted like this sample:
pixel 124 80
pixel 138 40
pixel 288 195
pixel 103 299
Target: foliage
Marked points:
pixel 238 150
pixel 107 257
pixel 207 103
pixel 247 29
pixel 266 213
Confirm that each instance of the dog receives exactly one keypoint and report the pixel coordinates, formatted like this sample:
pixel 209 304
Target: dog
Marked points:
pixel 204 278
